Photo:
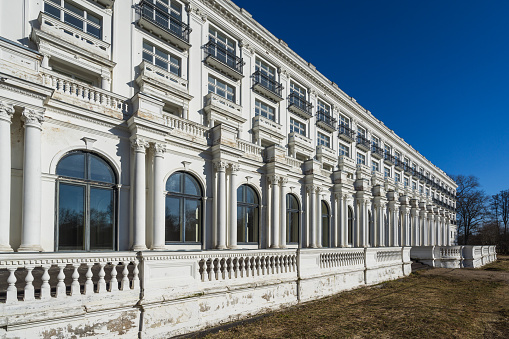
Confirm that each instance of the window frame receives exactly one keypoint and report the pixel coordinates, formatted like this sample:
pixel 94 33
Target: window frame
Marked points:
pixel 217 88
pixel 60 5
pixel 256 206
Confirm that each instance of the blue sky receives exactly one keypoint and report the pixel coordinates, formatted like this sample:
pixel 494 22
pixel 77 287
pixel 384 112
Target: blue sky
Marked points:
pixel 436 72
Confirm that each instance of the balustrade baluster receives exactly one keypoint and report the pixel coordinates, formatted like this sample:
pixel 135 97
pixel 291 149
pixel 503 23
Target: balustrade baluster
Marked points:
pixel 241 267
pixel 75 285
pixel 72 89
pixel 60 284
pixel 246 263
pixel 89 284
pixel 215 264
pixel 136 278
pixel 229 267
pixel 262 265
pixel 45 287
pixel 235 268
pixel 12 292
pixel 223 269
pixel 125 279
pixel 101 284
pixel 86 94
pixel 113 280
pixel 29 287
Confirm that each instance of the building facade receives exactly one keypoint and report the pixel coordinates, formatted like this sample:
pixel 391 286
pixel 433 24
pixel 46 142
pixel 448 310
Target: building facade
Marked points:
pixel 157 132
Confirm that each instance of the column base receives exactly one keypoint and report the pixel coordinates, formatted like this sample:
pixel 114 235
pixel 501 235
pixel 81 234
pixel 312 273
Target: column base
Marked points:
pixel 233 247
pixel 274 246
pixel 283 246
pixel 157 248
pixel 221 247
pixel 30 248
pixel 313 246
pixel 6 248
pixel 138 248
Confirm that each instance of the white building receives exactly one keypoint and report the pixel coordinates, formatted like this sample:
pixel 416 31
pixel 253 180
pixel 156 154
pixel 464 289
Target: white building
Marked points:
pixel 138 137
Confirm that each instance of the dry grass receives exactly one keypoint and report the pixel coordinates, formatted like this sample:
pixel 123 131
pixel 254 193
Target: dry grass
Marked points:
pixel 438 303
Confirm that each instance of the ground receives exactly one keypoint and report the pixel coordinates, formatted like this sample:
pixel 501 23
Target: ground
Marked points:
pixel 435 303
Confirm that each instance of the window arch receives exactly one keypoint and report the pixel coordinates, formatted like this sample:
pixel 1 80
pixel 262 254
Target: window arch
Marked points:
pixel 86 203
pixel 247 215
pixel 183 212
pixel 292 219
pixel 325 225
pixel 350 226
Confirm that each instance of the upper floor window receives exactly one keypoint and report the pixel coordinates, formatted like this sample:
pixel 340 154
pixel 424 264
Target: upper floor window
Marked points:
pixel 361 159
pixel 222 40
pixel 265 69
pixel 344 121
pixel 322 107
pixel 75 16
pixel 387 172
pixel 300 91
pixel 375 166
pixel 388 149
pixel 344 150
pixel 323 139
pixel 406 162
pixel 161 58
pixel 297 127
pixel 397 155
pixel 264 110
pixel 221 88
pixel 414 185
pixel 375 141
pixel 361 132
pixel 397 177
pixel 405 182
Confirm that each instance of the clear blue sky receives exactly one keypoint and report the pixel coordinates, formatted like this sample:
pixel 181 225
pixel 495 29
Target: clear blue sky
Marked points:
pixel 436 72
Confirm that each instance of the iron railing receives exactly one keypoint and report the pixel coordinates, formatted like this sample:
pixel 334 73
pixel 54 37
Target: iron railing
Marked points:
pixel 296 100
pixel 361 140
pixel 375 149
pixel 267 82
pixel 221 54
pixel 389 157
pixel 164 20
pixel 345 130
pixel 324 117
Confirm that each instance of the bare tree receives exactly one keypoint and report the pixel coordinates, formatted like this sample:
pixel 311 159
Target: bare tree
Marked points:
pixel 504 208
pixel 470 205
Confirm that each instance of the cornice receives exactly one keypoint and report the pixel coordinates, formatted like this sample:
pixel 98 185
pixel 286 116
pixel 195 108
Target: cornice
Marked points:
pixel 238 17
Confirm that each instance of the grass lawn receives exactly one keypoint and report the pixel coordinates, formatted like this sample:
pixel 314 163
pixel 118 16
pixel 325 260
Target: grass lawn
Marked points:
pixel 435 303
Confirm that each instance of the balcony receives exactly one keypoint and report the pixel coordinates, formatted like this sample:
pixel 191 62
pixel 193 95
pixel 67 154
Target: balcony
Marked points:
pixel 398 164
pixel 223 110
pixel 223 60
pixel 300 106
pixel 346 134
pixel 388 159
pixel 266 129
pixel 377 152
pixel 299 144
pixel 325 121
pixel 407 169
pixel 326 155
pixel 160 83
pixel 363 143
pixel 164 25
pixel 266 86
pixel 106 3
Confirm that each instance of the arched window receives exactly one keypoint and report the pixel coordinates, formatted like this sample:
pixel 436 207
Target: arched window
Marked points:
pixel 183 208
pixel 87 195
pixel 325 224
pixel 247 215
pixel 292 219
pixel 350 226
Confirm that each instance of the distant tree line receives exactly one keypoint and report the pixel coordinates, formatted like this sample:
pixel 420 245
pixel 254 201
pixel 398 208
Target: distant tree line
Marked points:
pixel 482 219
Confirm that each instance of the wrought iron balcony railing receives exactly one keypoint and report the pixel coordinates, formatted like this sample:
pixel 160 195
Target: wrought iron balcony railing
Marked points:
pixel 377 151
pixel 398 163
pixel 324 117
pixel 218 52
pixel 347 132
pixel 362 141
pixel 164 20
pixel 299 102
pixel 389 158
pixel 266 82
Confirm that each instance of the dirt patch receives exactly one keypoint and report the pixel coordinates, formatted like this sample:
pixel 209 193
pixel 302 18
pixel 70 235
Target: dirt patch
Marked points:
pixel 436 303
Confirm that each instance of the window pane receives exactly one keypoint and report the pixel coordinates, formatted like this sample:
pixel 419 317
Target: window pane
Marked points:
pixel 73 9
pixel 100 170
pixel 293 224
pixel 72 166
pixel 250 196
pixel 102 210
pixel 71 217
pixel 73 21
pixel 53 11
pixel 148 57
pixel 241 222
pixel 192 216
pixel 252 224
pixel 240 193
pixel 173 183
pixel 191 186
pixel 94 19
pixel 92 30
pixel 172 219
pixel 325 231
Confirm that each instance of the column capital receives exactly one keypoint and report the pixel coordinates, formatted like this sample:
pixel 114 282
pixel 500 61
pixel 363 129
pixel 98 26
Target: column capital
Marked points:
pixel 273 179
pixel 159 149
pixel 234 168
pixel 6 111
pixel 310 188
pixel 220 165
pixel 284 181
pixel 139 145
pixel 32 118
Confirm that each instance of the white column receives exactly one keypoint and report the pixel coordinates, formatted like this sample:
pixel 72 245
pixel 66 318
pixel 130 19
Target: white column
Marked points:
pixel 444 232
pixel 31 229
pixel 233 206
pixel 139 197
pixel 448 232
pixel 415 226
pixel 282 222
pixel 395 225
pixel 274 222
pixel 431 225
pixel 424 223
pixel 344 220
pixel 158 240
pixel 312 216
pixel 221 204
pixel 6 113
pixel 318 220
pixel 437 227
pixel 338 215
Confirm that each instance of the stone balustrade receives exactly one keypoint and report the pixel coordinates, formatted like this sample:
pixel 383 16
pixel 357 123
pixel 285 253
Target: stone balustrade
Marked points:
pixel 293 162
pixel 250 149
pixel 186 128
pixel 83 94
pixel 454 256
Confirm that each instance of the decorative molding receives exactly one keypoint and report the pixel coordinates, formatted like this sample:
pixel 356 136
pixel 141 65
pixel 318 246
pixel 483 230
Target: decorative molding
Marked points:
pixel 89 142
pixel 6 111
pixel 32 118
pixel 159 149
pixel 23 92
pixel 234 167
pixel 139 145
pixel 220 165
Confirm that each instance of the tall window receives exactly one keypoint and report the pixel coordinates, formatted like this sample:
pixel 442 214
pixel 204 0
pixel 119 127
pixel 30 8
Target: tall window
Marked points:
pixel 344 121
pixel 361 132
pixel 74 16
pixel 221 88
pixel 323 107
pixel 161 58
pixel 297 127
pixel 87 196
pixel 388 149
pixel 183 208
pixel 350 226
pixel 387 172
pixel 264 110
pixel 361 159
pixel 406 182
pixel 375 167
pixel 323 139
pixel 344 150
pixel 247 215
pixel 165 13
pixel 292 219
pixel 300 91
pixel 325 224
pixel 397 177
pixel 224 47
pixel 375 141
pixel 265 69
